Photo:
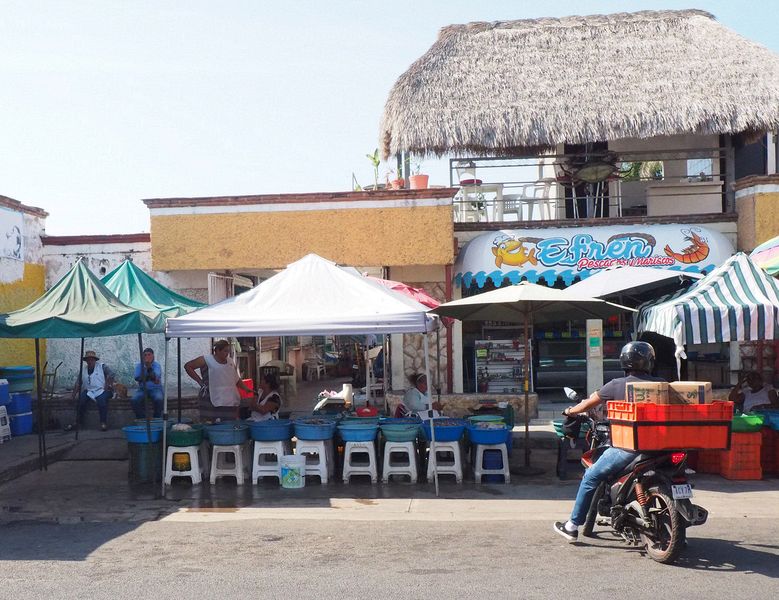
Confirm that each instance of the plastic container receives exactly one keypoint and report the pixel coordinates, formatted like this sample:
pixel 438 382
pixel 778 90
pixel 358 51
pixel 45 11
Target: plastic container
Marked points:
pixel 645 426
pixel 487 435
pixel 486 419
pixel 136 434
pixel 20 402
pixel 358 432
pixel 742 461
pixel 5 392
pixel 493 460
pixel 145 464
pixel 272 430
pixel 193 437
pixel 154 422
pixel 21 424
pixel 228 434
pixel 446 430
pixel 400 432
pixel 250 384
pixel 314 429
pixel 747 423
pixel 771 418
pixel 292 471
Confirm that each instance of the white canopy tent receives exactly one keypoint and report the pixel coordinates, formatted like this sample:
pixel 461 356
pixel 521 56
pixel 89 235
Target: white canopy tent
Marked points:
pixel 312 296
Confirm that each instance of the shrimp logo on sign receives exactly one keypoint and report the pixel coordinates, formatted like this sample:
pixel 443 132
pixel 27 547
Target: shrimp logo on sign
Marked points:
pixel 697 251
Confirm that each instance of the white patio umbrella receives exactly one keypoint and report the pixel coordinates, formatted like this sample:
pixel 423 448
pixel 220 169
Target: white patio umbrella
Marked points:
pixel 524 303
pixel 625 280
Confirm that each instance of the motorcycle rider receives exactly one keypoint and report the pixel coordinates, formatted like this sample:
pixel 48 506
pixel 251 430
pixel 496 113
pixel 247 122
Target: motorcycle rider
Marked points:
pixel 637 360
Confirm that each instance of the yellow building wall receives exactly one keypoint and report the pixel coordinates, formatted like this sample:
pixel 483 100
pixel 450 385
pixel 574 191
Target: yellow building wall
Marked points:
pixel 420 235
pixel 13 296
pixel 758 219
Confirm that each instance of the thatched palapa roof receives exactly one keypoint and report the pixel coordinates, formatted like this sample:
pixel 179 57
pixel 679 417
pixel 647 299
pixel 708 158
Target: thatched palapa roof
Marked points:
pixel 512 86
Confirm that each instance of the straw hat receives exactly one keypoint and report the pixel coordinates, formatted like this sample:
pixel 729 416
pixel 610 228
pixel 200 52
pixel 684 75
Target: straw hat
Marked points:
pixel 90 354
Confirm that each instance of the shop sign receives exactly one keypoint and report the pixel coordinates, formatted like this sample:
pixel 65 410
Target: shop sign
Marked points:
pixel 11 234
pixel 510 256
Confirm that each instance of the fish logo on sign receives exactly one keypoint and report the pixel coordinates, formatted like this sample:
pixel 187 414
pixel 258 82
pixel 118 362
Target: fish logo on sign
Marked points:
pixel 512 251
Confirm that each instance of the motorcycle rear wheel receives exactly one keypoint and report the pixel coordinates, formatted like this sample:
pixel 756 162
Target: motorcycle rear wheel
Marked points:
pixel 666 540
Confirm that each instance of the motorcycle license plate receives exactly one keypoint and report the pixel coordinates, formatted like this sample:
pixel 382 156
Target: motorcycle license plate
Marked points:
pixel 680 492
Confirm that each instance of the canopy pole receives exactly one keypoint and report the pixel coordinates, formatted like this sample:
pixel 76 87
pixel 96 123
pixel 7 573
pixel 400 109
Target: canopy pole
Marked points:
pixel 526 469
pixel 42 458
pixel 438 361
pixel 80 385
pixel 367 374
pixel 178 374
pixel 147 416
pixel 432 456
pixel 164 417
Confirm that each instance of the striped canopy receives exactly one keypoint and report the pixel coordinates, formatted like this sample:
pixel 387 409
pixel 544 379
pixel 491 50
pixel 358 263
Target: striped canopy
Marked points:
pixel 737 301
pixel 766 256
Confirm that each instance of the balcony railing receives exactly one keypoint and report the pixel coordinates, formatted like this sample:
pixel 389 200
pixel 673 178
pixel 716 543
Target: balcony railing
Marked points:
pixel 598 184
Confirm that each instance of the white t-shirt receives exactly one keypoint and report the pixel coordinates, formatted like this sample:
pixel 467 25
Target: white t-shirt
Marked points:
pixel 414 400
pixel 221 382
pixel 754 399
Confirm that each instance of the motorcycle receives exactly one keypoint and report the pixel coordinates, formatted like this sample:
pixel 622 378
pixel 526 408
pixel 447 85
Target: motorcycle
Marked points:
pixel 648 503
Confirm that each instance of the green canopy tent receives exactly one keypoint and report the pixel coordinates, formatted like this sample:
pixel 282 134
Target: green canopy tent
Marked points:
pixel 139 290
pixel 77 306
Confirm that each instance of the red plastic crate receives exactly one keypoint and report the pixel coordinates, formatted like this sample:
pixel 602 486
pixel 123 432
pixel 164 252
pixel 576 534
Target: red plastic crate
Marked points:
pixel 742 474
pixel 709 461
pixel 646 426
pixel 744 454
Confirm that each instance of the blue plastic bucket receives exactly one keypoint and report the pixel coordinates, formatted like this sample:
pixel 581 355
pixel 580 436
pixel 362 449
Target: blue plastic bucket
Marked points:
pixel 136 434
pixel 493 460
pixel 21 424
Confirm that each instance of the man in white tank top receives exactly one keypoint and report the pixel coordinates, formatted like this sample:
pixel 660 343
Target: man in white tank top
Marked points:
pixel 751 393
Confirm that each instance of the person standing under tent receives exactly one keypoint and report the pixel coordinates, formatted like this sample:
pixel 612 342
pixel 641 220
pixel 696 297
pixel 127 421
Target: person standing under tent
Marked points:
pixel 95 383
pixel 266 406
pixel 148 374
pixel 219 382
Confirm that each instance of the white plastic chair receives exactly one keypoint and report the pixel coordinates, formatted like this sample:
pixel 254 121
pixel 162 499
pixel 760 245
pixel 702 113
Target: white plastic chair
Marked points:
pixel 537 195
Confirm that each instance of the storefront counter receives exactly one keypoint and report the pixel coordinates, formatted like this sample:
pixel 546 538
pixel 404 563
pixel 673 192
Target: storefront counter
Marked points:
pixel 459 405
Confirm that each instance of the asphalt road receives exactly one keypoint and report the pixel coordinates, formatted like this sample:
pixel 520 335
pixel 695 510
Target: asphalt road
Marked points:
pixel 265 558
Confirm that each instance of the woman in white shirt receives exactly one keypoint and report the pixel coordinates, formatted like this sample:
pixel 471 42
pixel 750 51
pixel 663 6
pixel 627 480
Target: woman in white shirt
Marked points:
pixel 750 393
pixel 219 382
pixel 266 406
pixel 415 399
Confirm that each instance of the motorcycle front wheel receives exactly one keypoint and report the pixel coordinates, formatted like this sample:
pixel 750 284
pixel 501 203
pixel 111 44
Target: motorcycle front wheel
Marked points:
pixel 665 539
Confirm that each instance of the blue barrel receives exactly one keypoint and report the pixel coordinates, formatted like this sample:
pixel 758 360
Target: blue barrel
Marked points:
pixel 20 402
pixel 20 424
pixel 5 393
pixel 20 413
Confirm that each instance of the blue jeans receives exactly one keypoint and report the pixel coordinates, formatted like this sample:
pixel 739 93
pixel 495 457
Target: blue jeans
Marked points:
pixel 102 405
pixel 137 402
pixel 611 462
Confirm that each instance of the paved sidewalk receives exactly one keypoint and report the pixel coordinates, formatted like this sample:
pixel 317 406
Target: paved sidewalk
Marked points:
pixel 87 482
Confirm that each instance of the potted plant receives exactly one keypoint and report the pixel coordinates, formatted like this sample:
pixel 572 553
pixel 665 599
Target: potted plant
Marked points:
pixel 375 162
pixel 395 181
pixel 417 181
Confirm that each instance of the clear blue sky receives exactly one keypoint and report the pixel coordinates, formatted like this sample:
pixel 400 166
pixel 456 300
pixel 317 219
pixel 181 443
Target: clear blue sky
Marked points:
pixel 105 102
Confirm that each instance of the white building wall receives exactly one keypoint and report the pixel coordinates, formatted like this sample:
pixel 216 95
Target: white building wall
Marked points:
pixel 122 352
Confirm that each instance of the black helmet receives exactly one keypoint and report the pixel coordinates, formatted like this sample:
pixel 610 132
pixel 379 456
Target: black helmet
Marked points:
pixel 637 356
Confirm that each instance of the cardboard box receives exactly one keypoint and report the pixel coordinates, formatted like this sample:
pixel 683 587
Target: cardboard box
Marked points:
pixel 647 391
pixel 690 392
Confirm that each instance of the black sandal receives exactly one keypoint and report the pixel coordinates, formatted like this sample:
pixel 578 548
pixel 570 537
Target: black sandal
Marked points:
pixel 68 428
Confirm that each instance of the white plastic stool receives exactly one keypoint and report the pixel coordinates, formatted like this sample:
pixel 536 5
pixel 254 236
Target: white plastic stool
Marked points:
pixel 5 425
pixel 446 466
pixel 220 467
pixel 265 460
pixel 360 468
pixel 317 457
pixel 478 464
pixel 399 467
pixel 194 464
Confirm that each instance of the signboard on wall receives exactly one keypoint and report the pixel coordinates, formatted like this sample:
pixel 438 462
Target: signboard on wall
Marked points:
pixel 11 234
pixel 544 255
